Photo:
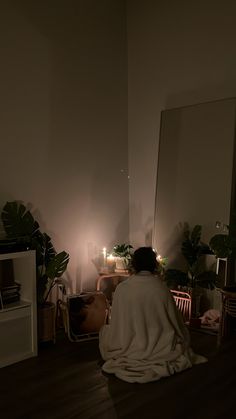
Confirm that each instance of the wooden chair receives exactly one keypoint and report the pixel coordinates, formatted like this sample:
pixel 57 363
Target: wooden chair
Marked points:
pixel 108 282
pixel 228 313
pixel 183 301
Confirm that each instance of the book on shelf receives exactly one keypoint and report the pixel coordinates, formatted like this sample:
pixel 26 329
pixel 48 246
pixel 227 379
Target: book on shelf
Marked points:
pixel 10 299
pixel 10 294
pixel 17 244
pixel 11 288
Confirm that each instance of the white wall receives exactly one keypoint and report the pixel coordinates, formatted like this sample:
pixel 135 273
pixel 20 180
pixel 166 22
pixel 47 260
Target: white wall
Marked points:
pixel 63 106
pixel 179 53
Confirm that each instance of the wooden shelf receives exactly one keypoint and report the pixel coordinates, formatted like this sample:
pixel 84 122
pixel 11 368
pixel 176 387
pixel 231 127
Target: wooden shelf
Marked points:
pixel 18 320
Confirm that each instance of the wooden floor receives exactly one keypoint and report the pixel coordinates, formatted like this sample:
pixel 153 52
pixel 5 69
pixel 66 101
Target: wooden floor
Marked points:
pixel 65 382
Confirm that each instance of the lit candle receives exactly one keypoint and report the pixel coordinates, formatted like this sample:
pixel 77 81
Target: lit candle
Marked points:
pixel 104 251
pixel 111 262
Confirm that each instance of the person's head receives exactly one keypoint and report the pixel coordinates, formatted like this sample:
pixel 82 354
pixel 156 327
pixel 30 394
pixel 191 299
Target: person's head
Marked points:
pixel 144 259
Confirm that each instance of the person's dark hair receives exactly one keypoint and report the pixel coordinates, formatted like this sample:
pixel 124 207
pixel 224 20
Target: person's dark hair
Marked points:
pixel 144 259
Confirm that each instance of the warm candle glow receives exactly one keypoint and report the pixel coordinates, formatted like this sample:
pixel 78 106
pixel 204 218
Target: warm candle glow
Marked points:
pixel 104 252
pixel 111 260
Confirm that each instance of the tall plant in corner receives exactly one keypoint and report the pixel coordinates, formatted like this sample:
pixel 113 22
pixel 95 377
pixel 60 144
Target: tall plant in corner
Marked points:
pixel 20 224
pixel 192 249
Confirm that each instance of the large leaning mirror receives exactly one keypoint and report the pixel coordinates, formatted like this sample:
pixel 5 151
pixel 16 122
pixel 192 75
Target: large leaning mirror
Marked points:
pixel 195 176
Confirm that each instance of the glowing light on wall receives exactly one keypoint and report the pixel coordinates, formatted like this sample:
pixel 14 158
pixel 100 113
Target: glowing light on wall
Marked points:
pixel 104 252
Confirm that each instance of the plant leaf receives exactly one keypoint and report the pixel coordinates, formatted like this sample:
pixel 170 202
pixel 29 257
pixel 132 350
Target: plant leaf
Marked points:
pixel 221 245
pixel 18 221
pixel 57 266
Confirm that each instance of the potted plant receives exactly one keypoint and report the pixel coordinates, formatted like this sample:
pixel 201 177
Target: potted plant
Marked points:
pixel 19 223
pixel 122 253
pixel 195 276
pixel 224 247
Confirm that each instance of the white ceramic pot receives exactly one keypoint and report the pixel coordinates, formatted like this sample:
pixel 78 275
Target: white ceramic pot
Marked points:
pixel 120 263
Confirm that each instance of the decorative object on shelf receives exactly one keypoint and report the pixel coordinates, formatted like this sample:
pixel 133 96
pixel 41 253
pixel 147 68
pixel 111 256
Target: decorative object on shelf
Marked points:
pixel 122 253
pixel 50 265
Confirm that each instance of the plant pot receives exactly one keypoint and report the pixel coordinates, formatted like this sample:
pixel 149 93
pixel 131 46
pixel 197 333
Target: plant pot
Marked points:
pixel 120 264
pixel 46 322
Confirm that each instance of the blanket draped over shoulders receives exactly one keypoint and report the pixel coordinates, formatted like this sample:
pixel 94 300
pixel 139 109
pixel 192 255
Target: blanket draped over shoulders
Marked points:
pixel 146 338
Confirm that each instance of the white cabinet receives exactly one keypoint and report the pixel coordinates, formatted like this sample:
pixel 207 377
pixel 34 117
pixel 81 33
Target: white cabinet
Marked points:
pixel 18 321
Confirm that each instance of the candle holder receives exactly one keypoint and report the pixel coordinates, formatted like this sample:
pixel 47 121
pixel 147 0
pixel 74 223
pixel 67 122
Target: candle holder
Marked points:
pixel 103 261
pixel 111 263
pixel 107 262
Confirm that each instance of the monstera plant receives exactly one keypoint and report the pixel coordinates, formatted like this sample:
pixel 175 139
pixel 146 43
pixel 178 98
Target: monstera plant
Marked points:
pixel 20 224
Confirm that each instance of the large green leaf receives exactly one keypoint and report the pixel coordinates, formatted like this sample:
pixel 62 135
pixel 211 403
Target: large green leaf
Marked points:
pixel 18 221
pixel 44 248
pixel 57 266
pixel 192 247
pixel 122 250
pixel 196 234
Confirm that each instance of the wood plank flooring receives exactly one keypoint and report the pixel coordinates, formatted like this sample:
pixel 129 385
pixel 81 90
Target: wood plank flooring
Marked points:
pixel 65 382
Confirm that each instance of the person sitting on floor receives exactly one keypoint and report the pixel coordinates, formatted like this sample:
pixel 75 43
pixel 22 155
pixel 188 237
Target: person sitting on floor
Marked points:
pixel 146 338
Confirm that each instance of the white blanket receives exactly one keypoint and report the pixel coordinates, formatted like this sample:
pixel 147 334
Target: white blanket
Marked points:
pixel 146 338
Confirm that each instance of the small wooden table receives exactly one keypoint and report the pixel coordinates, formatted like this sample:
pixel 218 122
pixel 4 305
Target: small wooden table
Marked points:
pixel 113 276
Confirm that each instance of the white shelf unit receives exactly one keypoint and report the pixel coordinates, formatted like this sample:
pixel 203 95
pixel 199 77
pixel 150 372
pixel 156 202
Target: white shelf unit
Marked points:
pixel 18 321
